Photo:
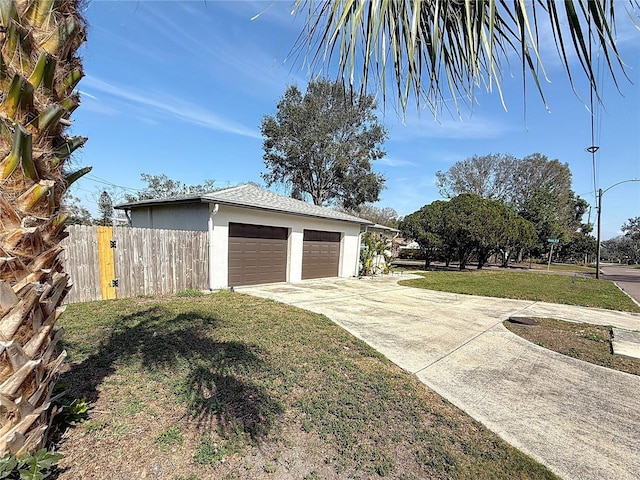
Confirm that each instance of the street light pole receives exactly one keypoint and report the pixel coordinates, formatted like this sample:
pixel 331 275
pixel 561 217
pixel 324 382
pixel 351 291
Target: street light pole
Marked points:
pixel 600 193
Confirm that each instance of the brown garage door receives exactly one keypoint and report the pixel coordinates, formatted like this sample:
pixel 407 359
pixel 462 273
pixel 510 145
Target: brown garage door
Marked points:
pixel 320 254
pixel 257 254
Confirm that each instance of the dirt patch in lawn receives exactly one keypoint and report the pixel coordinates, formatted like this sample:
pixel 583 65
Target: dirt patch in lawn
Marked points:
pixel 584 341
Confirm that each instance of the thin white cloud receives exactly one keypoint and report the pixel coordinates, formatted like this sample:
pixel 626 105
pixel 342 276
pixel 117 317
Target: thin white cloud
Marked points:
pixel 137 50
pixel 98 108
pixel 224 54
pixel 278 13
pixel 475 127
pixel 168 105
pixel 85 94
pixel 395 162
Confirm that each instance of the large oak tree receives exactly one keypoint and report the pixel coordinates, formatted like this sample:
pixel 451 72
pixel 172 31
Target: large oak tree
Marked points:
pixel 321 143
pixel 427 227
pixel 535 187
pixel 465 225
pixel 489 176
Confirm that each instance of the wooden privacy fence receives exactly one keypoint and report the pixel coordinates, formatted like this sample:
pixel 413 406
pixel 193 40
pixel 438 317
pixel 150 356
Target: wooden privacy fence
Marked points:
pixel 120 262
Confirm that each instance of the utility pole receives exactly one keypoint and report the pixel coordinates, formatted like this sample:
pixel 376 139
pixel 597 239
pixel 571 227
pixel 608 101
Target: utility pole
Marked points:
pixel 600 192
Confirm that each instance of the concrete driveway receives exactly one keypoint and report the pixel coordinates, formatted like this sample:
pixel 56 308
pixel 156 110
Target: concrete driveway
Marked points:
pixel 581 420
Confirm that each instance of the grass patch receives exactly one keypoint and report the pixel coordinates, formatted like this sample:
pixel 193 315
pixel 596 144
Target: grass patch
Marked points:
pixel 565 267
pixel 591 343
pixel 564 289
pixel 169 438
pixel 189 292
pixel 231 386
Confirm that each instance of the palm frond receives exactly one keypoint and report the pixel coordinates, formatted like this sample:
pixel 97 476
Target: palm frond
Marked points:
pixel 439 50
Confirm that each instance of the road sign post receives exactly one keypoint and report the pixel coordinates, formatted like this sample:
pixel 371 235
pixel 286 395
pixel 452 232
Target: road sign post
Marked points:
pixel 552 241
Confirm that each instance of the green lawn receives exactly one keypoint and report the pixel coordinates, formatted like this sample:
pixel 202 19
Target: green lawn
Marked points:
pixel 564 289
pixel 230 386
pixel 564 267
pixel 587 342
pixel 554 267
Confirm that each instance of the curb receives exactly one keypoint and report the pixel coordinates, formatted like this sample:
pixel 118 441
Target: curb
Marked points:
pixel 623 291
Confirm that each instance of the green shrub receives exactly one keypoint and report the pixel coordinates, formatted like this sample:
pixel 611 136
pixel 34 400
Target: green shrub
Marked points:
pixel 72 414
pixel 33 467
pixel 375 255
pixel 411 254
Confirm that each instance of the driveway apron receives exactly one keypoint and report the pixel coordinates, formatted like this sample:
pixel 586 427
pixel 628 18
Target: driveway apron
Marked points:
pixel 581 420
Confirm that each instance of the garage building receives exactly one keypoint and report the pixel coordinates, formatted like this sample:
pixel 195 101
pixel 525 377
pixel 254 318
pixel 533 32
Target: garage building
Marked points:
pixel 257 236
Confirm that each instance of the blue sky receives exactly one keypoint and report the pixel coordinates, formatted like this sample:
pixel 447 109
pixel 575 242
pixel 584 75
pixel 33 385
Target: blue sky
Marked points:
pixel 180 88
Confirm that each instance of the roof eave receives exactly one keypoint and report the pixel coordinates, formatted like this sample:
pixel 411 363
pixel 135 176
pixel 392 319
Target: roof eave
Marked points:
pixel 359 221
pixel 158 202
pixel 205 199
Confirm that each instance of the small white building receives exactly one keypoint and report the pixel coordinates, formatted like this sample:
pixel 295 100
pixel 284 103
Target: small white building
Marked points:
pixel 257 236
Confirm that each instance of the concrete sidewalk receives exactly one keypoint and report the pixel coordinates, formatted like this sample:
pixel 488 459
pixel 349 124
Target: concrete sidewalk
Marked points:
pixel 581 420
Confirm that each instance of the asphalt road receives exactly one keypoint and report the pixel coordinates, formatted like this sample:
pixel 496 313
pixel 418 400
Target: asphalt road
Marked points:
pixel 627 278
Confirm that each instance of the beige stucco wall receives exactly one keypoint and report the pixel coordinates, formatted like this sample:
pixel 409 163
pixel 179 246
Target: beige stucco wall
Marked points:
pixel 202 217
pixel 219 248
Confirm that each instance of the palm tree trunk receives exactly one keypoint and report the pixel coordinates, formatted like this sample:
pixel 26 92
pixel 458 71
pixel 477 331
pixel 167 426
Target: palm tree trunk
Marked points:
pixel 39 70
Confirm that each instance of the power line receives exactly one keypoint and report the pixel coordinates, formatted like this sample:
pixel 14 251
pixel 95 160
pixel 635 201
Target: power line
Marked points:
pixel 593 148
pixel 599 107
pixel 111 184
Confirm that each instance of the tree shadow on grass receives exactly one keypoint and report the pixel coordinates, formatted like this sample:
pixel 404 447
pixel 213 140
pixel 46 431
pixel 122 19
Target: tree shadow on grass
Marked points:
pixel 215 379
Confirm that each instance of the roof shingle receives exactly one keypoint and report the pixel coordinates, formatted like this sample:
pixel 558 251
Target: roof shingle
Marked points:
pixel 252 196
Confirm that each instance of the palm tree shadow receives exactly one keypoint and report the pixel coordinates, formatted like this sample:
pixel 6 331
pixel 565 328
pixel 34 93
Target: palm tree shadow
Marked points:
pixel 215 379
